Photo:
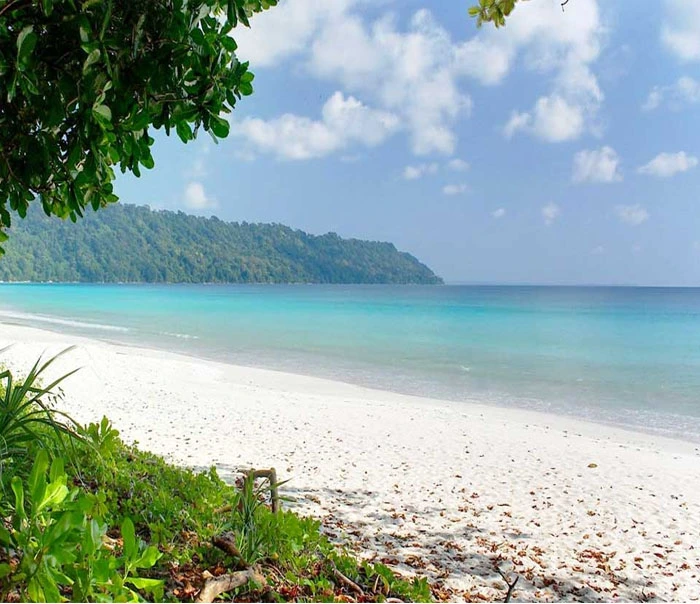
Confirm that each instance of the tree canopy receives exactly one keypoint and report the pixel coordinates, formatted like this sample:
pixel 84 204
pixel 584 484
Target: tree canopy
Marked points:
pixel 125 243
pixel 82 82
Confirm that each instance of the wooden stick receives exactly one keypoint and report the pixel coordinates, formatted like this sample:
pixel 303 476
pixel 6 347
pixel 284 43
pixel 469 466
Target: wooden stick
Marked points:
pixel 216 586
pixel 511 586
pixel 271 476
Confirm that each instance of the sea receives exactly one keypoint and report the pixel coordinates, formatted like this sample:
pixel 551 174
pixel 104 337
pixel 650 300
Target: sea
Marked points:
pixel 627 356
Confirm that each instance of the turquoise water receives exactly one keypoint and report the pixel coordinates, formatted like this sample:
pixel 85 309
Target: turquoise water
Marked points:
pixel 628 356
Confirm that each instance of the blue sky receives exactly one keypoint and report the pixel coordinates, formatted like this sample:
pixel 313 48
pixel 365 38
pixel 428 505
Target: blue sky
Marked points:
pixel 561 149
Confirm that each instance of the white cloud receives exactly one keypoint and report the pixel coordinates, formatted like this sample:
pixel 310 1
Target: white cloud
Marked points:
pixel 344 121
pixel 454 189
pixel 499 213
pixel 596 165
pixel 598 250
pixel 518 121
pixel 196 198
pixel 415 172
pixel 412 73
pixel 684 91
pixel 416 71
pixel 633 214
pixel 680 31
pixel 565 45
pixel 550 213
pixel 556 119
pixel 286 30
pixel 665 165
pixel 458 165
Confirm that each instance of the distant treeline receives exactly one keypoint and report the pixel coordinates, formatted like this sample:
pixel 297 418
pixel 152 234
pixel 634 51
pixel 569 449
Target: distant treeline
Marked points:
pixel 126 243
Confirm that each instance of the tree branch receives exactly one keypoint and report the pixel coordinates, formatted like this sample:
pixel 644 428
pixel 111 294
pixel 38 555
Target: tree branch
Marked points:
pixel 511 586
pixel 14 4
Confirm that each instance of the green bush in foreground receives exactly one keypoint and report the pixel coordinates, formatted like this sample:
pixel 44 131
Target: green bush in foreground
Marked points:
pixel 62 547
pixel 103 521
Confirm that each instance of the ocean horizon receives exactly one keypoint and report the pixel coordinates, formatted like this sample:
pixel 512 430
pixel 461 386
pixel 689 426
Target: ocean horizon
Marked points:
pixel 620 355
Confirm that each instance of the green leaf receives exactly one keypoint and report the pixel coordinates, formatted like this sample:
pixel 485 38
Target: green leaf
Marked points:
pixel 141 583
pixel 229 43
pixel 55 493
pixel 147 161
pixel 26 41
pixel 184 131
pixel 152 586
pixel 140 121
pixel 219 126
pixel 129 537
pixel 57 471
pixel 103 112
pixel 148 558
pixel 18 490
pixel 5 537
pixel 37 477
pixel 92 58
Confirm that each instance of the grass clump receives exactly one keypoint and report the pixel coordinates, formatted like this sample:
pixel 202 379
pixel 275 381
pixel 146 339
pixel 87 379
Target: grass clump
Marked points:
pixel 86 517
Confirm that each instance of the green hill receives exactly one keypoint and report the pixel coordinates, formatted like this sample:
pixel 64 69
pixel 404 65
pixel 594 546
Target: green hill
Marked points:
pixel 126 243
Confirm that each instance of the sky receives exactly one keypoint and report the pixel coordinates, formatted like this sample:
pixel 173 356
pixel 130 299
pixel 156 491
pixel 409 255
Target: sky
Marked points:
pixel 561 149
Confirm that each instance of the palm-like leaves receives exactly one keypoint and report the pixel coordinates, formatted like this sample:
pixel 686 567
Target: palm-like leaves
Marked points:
pixel 25 416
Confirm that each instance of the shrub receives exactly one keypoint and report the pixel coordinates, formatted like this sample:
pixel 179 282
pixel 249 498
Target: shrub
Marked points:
pixel 53 546
pixel 27 418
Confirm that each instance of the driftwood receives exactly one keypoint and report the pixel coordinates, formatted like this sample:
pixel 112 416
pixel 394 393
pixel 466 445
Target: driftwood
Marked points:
pixel 349 583
pixel 215 586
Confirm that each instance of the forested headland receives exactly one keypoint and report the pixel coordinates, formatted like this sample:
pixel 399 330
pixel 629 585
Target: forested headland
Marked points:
pixel 127 243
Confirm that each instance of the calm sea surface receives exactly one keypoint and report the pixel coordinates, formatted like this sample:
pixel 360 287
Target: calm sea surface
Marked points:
pixel 627 356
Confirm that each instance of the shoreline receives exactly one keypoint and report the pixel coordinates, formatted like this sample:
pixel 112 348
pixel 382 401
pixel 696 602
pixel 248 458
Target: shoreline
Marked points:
pixel 54 327
pixel 451 491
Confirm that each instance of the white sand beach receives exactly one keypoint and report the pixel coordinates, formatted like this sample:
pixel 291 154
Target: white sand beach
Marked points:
pixel 452 491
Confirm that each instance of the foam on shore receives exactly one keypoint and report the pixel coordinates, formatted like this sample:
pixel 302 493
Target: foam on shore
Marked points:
pixel 452 491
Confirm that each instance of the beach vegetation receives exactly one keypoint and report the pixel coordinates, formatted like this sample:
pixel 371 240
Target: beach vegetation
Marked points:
pixel 84 83
pixel 101 520
pixel 28 416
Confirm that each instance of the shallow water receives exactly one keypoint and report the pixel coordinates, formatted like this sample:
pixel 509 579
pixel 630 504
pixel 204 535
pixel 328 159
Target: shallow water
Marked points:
pixel 628 356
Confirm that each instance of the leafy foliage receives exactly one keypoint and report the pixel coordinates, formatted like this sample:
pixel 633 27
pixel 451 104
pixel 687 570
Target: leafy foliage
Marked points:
pixel 134 244
pixel 27 417
pixel 82 81
pixel 492 11
pixel 63 548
